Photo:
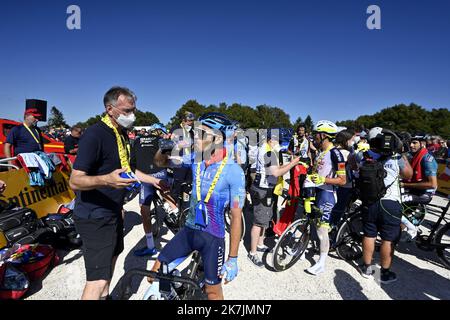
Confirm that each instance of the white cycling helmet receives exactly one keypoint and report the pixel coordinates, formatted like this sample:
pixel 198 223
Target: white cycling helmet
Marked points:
pixel 325 126
pixel 375 132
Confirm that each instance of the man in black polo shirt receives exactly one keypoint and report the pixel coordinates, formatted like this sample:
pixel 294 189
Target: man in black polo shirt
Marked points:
pixel 103 154
pixel 25 137
pixel 142 163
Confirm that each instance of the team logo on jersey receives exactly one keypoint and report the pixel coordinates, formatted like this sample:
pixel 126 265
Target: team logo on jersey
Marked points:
pixel 341 166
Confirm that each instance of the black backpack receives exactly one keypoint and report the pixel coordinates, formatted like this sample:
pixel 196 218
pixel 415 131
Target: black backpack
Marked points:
pixel 370 182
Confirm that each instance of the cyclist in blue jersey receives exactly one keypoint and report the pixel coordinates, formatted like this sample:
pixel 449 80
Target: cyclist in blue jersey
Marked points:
pixel 218 182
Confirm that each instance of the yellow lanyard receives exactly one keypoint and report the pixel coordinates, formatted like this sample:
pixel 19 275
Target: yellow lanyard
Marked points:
pixel 186 136
pixel 213 184
pixel 32 134
pixel 269 149
pixel 321 156
pixel 122 145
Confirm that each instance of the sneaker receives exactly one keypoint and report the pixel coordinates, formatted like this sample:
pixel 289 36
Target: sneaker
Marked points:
pixel 145 252
pixel 316 269
pixel 388 277
pixel 366 271
pixel 256 260
pixel 262 248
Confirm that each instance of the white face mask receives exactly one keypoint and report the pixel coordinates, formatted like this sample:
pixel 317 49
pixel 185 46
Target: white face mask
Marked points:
pixel 126 121
pixel 276 148
pixel 350 143
pixel 357 139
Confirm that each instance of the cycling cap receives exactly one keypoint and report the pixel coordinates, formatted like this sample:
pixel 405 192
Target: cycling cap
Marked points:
pixel 218 121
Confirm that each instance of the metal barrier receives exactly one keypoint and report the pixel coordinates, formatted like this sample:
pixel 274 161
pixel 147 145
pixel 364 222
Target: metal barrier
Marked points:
pixel 5 163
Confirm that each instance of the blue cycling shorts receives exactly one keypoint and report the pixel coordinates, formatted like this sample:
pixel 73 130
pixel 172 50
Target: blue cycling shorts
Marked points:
pixel 211 248
pixel 325 201
pixel 148 190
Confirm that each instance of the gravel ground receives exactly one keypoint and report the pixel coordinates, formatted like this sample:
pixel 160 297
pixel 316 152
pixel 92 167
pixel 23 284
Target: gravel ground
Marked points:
pixel 420 274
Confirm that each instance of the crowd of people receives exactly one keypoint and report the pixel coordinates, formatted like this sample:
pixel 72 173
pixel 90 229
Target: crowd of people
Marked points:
pixel 223 163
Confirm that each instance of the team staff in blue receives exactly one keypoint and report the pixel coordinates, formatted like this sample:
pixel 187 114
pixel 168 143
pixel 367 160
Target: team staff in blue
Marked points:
pixel 25 137
pixel 218 182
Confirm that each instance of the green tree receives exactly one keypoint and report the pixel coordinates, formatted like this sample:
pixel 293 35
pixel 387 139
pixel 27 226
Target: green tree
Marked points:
pixel 309 124
pixel 142 119
pixel 192 106
pixel 411 118
pixel 272 117
pixel 56 119
pixel 297 122
pixel 245 115
pixel 145 118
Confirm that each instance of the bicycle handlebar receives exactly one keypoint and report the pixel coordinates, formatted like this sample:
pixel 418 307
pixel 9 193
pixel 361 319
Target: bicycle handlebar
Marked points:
pixel 125 283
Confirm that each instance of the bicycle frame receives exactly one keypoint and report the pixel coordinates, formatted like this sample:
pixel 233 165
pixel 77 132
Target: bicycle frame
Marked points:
pixel 436 225
pixel 163 278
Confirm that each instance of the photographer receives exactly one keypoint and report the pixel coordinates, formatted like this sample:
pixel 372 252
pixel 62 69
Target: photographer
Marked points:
pixel 379 187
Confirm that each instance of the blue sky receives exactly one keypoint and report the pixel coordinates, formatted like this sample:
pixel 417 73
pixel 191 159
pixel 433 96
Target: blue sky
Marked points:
pixel 307 57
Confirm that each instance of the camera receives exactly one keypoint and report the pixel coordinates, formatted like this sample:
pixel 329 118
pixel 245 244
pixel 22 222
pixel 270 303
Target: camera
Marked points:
pixel 166 145
pixel 386 142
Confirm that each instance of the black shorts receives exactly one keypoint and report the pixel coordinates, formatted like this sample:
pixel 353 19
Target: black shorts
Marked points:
pixel 263 202
pixel 102 240
pixel 382 217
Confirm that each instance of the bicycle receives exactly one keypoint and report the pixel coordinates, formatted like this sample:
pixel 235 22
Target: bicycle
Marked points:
pixel 169 283
pixel 294 241
pixel 159 216
pixel 350 235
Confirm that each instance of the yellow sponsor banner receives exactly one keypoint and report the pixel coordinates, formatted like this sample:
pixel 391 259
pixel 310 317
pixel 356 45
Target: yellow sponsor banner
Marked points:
pixel 43 200
pixel 444 177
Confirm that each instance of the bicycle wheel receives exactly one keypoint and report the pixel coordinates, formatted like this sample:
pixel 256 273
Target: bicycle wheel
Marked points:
pixel 227 219
pixel 443 241
pixel 349 238
pixel 155 219
pixel 291 245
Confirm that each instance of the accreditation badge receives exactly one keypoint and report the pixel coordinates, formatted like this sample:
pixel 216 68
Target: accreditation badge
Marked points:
pixel 201 215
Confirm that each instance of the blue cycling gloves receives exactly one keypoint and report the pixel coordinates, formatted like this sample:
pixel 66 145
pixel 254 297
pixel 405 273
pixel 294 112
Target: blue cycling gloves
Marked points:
pixel 230 268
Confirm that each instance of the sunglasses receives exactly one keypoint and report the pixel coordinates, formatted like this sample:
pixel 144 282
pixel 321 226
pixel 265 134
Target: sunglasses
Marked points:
pixel 203 134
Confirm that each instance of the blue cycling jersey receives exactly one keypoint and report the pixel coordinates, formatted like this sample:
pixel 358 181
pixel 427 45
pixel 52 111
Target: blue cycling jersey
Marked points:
pixel 229 192
pixel 429 165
